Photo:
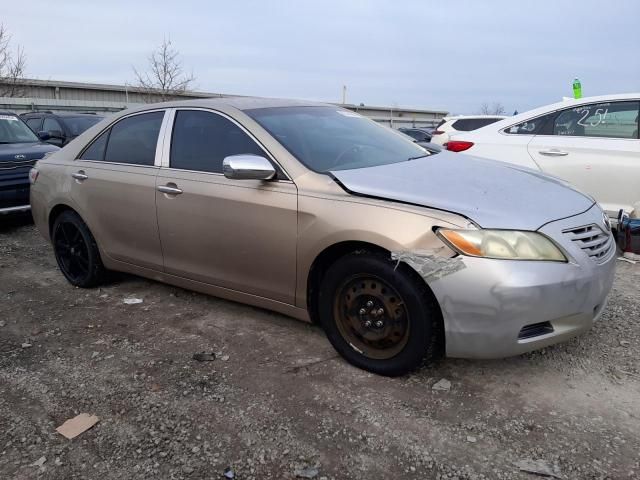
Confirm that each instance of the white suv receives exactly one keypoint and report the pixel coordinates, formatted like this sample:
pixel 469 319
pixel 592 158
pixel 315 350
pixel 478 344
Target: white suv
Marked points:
pixel 592 143
pixel 461 123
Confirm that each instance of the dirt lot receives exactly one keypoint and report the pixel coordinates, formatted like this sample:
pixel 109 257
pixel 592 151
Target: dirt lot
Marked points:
pixel 277 402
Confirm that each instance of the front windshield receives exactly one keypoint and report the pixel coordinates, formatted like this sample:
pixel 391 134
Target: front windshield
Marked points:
pixel 330 138
pixel 77 125
pixel 14 130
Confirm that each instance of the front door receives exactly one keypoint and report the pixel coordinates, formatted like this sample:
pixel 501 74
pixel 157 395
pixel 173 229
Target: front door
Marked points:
pixel 596 148
pixel 114 183
pixel 236 234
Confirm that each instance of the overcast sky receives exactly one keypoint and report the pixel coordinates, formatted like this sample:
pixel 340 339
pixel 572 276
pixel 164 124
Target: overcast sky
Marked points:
pixel 450 55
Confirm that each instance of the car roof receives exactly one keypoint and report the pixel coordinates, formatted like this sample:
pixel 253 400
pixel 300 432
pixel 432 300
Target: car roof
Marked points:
pixel 240 103
pixel 63 114
pixel 566 103
pixel 472 117
pixel 6 112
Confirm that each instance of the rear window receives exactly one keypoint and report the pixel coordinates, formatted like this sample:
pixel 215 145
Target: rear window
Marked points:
pixel 468 124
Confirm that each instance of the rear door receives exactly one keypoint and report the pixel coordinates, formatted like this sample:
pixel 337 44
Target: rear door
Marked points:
pixel 596 148
pixel 114 188
pixel 236 234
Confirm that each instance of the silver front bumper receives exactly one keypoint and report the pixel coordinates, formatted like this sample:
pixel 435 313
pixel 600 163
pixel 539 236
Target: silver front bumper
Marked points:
pixel 486 304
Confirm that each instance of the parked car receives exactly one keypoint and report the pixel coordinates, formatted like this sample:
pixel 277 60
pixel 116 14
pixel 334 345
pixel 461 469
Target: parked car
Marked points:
pixel 319 213
pixel 19 150
pixel 592 143
pixel 418 134
pixel 430 147
pixel 462 123
pixel 59 128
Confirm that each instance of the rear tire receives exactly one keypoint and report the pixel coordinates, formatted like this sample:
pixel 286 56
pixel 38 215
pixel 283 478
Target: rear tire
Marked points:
pixel 378 314
pixel 76 251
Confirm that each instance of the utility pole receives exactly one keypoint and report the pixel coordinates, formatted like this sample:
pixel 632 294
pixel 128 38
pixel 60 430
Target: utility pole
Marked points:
pixel 344 94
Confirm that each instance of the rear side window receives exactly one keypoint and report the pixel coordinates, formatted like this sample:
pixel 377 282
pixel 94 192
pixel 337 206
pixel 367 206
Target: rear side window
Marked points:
pixel 132 140
pixel 468 124
pixel 605 120
pixel 532 126
pixel 201 140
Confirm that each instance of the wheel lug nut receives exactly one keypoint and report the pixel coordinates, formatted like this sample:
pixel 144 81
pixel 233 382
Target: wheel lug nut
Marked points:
pixel 369 304
pixel 381 311
pixel 362 311
pixel 367 323
pixel 379 323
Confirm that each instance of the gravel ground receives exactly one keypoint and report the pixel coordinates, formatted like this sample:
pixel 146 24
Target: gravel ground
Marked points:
pixel 277 402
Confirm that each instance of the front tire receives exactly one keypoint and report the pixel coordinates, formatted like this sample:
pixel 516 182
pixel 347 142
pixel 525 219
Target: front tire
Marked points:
pixel 378 314
pixel 76 251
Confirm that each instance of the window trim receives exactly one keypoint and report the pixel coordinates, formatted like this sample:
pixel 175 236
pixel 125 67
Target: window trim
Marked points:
pixel 168 138
pixel 158 153
pixel 558 111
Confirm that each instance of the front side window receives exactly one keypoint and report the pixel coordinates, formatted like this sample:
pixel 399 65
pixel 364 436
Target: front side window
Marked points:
pixel 14 130
pixel 96 149
pixel 34 123
pixel 329 138
pixel 51 124
pixel 607 120
pixel 201 141
pixel 134 139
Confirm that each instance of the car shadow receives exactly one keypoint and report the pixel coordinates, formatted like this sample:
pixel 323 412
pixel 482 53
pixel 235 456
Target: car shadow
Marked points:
pixel 11 222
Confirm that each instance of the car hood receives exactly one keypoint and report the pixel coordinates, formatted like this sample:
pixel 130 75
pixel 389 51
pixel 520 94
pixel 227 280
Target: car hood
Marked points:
pixel 492 194
pixel 31 151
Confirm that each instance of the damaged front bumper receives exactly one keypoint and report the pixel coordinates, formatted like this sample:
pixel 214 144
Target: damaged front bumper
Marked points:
pixel 499 308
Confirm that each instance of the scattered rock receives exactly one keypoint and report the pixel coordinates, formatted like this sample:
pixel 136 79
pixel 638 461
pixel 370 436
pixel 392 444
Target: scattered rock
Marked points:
pixel 625 343
pixel 26 345
pixel 471 439
pixel 224 358
pixel 132 301
pixel 308 472
pixel 539 467
pixel 39 462
pixel 2 323
pixel 204 357
pixel 442 385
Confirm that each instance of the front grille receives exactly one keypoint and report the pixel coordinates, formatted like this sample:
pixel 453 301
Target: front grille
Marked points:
pixel 594 241
pixel 535 330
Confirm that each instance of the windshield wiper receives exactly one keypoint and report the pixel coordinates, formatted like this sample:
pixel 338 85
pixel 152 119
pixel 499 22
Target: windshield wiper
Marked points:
pixel 419 156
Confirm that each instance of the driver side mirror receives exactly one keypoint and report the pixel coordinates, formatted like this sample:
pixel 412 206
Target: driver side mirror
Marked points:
pixel 44 136
pixel 248 167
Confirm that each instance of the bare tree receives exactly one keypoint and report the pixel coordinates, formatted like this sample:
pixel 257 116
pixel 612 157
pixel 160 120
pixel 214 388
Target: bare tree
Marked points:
pixel 496 108
pixel 165 78
pixel 12 66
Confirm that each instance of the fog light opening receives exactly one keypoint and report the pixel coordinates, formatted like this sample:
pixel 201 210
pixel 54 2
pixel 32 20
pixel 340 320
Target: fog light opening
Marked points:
pixel 535 330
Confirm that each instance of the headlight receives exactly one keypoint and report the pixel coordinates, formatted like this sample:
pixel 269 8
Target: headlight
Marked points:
pixel 503 244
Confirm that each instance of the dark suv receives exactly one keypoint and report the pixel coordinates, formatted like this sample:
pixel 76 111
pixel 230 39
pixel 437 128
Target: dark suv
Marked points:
pixel 20 148
pixel 59 128
pixel 419 134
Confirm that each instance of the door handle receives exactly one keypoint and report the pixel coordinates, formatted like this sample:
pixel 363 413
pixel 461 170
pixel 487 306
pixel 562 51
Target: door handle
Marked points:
pixel 80 175
pixel 553 153
pixel 169 189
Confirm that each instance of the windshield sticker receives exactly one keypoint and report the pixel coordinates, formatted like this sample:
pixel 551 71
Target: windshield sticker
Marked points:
pixel 11 118
pixel 348 114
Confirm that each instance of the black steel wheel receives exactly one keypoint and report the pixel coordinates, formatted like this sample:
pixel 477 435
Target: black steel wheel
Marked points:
pixel 76 251
pixel 380 316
